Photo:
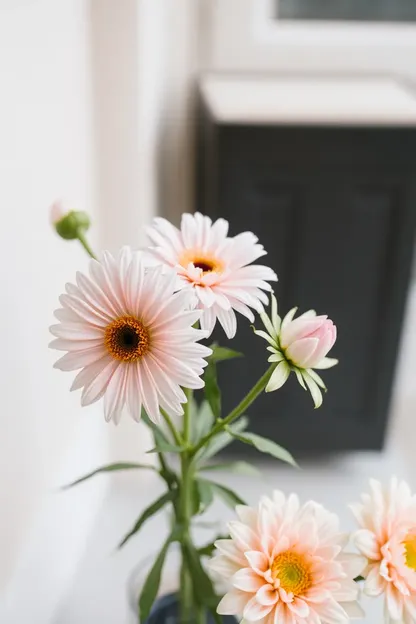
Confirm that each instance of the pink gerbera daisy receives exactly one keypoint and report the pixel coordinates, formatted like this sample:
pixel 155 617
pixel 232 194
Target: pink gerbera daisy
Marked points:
pixel 131 336
pixel 215 266
pixel 387 538
pixel 286 565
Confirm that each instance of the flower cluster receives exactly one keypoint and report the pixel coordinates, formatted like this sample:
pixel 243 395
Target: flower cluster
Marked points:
pixel 132 328
pixel 128 325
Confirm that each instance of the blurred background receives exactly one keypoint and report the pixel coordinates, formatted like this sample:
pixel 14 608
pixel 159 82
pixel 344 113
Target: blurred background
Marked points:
pixel 292 118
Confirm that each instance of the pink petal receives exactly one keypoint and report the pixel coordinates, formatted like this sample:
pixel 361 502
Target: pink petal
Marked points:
pixel 247 580
pixel 78 359
pixel 233 603
pixel 223 566
pixel 258 561
pixel 394 602
pixel 267 595
pixel 97 387
pixel 243 536
pixel 148 392
pixel 301 351
pixel 299 607
pixel 254 611
pixel 230 550
pixel 115 394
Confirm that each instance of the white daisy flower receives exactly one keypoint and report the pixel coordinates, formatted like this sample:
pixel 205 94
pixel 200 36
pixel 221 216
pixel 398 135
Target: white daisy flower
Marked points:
pixel 215 266
pixel 299 345
pixel 132 337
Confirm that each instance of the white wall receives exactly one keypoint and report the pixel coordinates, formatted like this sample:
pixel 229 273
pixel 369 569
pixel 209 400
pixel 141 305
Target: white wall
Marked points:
pixel 46 149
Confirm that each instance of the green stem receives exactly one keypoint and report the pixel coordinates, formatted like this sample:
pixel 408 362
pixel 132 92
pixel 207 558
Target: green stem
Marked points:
pixel 83 240
pixel 250 397
pixel 176 436
pixel 187 606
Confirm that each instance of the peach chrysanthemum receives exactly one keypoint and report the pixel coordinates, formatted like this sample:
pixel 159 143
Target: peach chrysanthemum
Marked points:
pixel 215 266
pixel 286 565
pixel 387 538
pixel 132 337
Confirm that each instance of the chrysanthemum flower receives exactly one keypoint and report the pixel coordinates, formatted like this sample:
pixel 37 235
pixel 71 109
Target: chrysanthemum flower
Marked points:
pixel 387 538
pixel 299 345
pixel 131 336
pixel 286 565
pixel 215 266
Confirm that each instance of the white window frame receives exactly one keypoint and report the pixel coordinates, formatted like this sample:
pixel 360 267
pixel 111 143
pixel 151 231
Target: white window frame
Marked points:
pixel 246 35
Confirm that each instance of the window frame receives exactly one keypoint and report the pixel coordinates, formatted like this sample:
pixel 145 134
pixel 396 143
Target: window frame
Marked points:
pixel 244 35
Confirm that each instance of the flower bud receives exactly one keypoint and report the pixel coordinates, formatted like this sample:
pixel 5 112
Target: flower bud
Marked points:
pixel 307 339
pixel 68 223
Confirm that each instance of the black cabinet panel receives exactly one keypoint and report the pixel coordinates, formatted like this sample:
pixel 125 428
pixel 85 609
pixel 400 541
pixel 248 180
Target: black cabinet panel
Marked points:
pixel 335 209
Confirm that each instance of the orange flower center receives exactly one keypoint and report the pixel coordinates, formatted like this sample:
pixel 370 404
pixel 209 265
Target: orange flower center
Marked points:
pixel 293 571
pixel 127 339
pixel 206 262
pixel 410 550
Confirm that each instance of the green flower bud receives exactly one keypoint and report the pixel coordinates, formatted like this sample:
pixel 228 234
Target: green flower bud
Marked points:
pixel 69 223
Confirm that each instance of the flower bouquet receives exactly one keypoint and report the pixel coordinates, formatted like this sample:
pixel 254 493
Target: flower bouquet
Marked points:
pixel 133 327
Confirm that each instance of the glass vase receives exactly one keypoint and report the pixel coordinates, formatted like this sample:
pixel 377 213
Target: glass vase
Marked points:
pixel 166 607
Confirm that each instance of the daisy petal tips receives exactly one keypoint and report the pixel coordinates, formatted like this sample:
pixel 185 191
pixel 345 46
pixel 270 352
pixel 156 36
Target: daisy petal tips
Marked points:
pixel 216 267
pixel 299 345
pixel 130 336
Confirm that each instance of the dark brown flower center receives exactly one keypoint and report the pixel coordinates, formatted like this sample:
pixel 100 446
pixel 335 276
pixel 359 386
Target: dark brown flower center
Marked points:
pixel 127 339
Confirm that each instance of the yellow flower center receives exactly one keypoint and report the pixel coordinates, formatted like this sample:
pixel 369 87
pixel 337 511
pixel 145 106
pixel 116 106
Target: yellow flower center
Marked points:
pixel 206 262
pixel 410 550
pixel 293 572
pixel 127 339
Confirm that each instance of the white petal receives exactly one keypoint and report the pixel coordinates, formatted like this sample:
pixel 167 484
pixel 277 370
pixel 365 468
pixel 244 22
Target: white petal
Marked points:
pixel 326 363
pixel 288 318
pixel 313 389
pixel 247 580
pixel 353 564
pixel 228 321
pixel 254 611
pixel 279 377
pixel 374 583
pixel 233 603
pixel 208 320
pixel 367 543
pixel 353 610
pixel 223 566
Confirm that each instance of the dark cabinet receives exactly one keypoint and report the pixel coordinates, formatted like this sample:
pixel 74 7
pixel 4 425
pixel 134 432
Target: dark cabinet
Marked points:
pixel 335 208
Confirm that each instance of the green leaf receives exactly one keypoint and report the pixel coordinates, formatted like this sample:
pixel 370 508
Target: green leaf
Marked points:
pixel 206 495
pixel 264 445
pixel 110 468
pixel 222 439
pixel 202 584
pixel 211 389
pixel 166 447
pixel 152 583
pixel 202 421
pixel 229 497
pixel 148 513
pixel 161 440
pixel 237 467
pixel 219 354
